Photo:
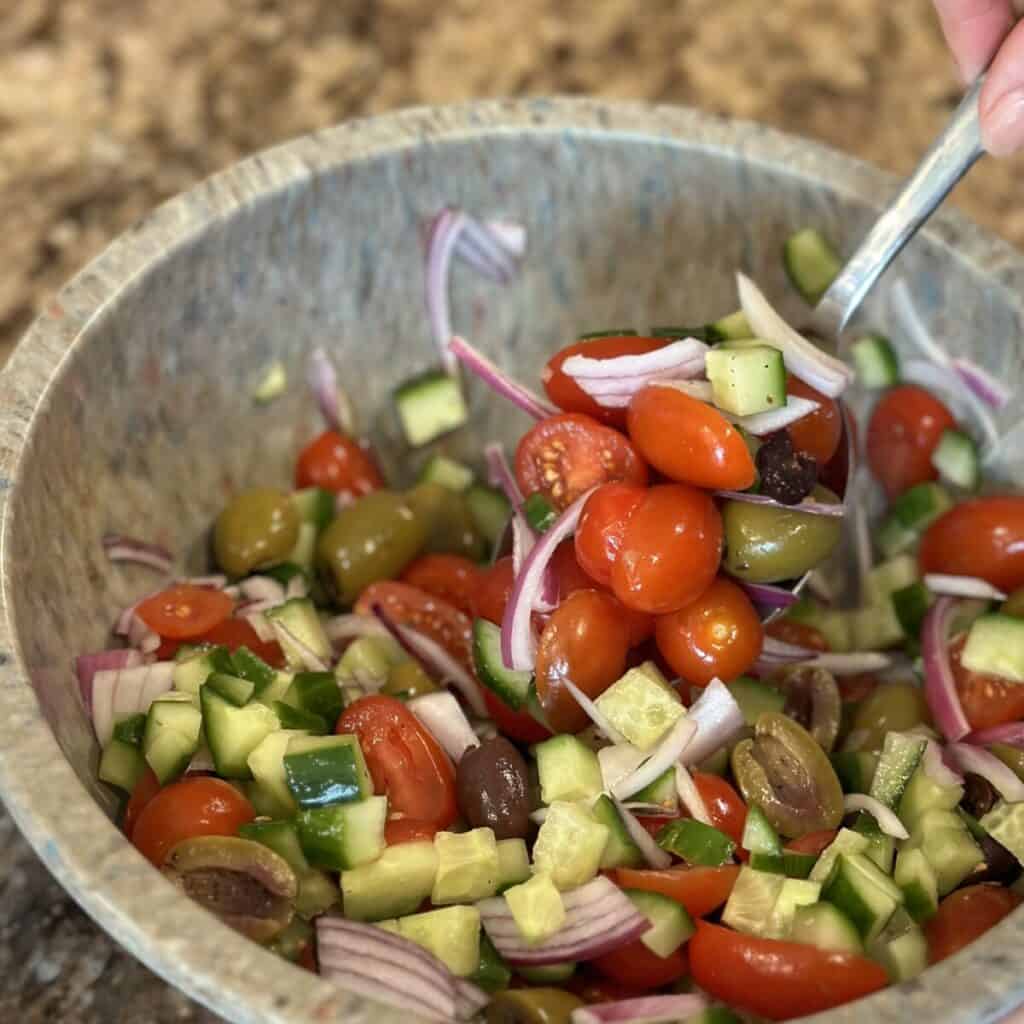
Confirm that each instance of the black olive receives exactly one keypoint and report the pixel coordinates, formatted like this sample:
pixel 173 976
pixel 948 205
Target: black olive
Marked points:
pixel 1000 865
pixel 979 797
pixel 786 475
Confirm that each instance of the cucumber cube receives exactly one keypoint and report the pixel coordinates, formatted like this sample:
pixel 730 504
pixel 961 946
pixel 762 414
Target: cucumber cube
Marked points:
pixel 121 764
pixel 746 381
pixel 671 925
pixel 430 406
pixel 794 894
pixel 1005 824
pixel 323 770
pixel 568 770
pixel 752 901
pixel 811 263
pixel 343 836
pixel 537 908
pixel 394 885
pixel 995 646
pixel 266 763
pixel 915 876
pixel 467 866
pixel 513 863
pixel 452 934
pixel 864 893
pixel 641 705
pixel 569 845
pixel 696 843
pixel 621 851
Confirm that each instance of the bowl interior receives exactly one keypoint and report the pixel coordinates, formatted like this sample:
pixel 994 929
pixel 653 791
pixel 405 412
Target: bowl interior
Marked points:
pixel 634 218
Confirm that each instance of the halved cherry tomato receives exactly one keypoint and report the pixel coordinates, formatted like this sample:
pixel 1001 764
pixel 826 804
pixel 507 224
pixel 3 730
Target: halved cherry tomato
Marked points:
pixel 726 808
pixel 493 589
pixel 964 916
pixel 904 430
pixel 800 633
pixel 855 688
pixel 198 806
pixel 777 979
pixel 700 890
pixel 408 830
pixel 565 455
pixel 813 842
pixel 818 433
pixel 586 641
pixel 516 725
pixel 568 395
pixel 406 762
pixel 184 611
pixel 688 440
pixel 670 551
pixel 601 528
pixel 986 700
pixel 592 987
pixel 983 537
pixel 307 958
pixel 453 578
pixel 636 965
pixel 337 464
pixel 717 635
pixel 145 789
pixel 235 633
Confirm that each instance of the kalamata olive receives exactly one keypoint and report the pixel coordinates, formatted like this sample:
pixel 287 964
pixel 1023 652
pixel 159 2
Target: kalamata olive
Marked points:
pixel 980 795
pixel 491 783
pixel 784 771
pixel 812 699
pixel 786 475
pixel 244 883
pixel 532 1006
pixel 892 707
pixel 257 527
pixel 1000 865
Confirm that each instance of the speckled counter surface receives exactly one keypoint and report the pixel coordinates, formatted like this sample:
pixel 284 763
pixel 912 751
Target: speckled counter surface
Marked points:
pixel 108 106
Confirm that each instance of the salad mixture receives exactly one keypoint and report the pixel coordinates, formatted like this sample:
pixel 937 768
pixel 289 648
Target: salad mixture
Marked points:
pixel 608 735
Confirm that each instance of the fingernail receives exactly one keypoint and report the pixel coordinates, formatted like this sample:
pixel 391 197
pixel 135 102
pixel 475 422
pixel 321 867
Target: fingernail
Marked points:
pixel 1002 127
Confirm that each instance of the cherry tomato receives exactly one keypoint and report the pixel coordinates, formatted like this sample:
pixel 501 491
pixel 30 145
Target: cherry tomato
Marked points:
pixel 983 537
pixel 689 441
pixel 717 635
pixel 184 611
pixel 198 806
pixel 493 589
pixel 408 830
pixel 904 430
pixel 835 473
pixel 726 809
pixel 568 395
pixel 516 725
pixel 800 633
pixel 337 464
pixel 307 958
pixel 429 615
pixel 964 916
pixel 565 455
pixel 813 842
pixel 986 700
pixel 670 551
pixel 145 789
pixel 585 641
pixel 235 633
pixel 855 688
pixel 406 762
pixel 700 890
pixel 818 433
pixel 777 979
pixel 636 965
pixel 601 528
pixel 592 987
pixel 453 578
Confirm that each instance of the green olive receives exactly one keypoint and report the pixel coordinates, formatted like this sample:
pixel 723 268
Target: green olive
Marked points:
pixel 450 526
pixel 372 539
pixel 1014 604
pixel 784 771
pixel 1012 757
pixel 812 699
pixel 258 527
pixel 892 707
pixel 532 1006
pixel 766 544
pixel 408 679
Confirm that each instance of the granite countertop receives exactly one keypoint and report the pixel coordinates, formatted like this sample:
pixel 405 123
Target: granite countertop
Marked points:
pixel 109 106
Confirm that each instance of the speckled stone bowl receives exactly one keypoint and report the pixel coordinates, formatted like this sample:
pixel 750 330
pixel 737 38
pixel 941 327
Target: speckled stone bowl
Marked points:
pixel 128 408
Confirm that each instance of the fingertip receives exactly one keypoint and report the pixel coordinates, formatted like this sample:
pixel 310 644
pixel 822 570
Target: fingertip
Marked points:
pixel 974 29
pixel 1001 104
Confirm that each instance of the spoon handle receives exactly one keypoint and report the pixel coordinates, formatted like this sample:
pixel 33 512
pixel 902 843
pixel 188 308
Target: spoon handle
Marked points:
pixel 951 156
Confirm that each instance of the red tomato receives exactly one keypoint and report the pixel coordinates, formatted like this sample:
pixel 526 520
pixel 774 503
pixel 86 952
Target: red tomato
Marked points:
pixel 235 633
pixel 408 830
pixel 986 700
pixel 964 916
pixel 337 464
pixel 184 611
pixel 565 455
pixel 856 688
pixel 983 537
pixel 636 965
pixel 799 633
pixel 406 762
pixel 777 979
pixel 904 430
pixel 145 789
pixel 819 432
pixel 689 441
pixel 516 725
pixel 601 528
pixel 427 614
pixel 198 806
pixel 718 635
pixel 586 641
pixel 307 958
pixel 453 578
pixel 592 987
pixel 493 589
pixel 700 890
pixel 813 842
pixel 726 808
pixel 670 551
pixel 568 395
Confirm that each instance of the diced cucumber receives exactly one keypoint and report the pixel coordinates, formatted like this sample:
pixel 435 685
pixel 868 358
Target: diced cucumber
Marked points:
pixel 671 925
pixel 510 686
pixel 248 666
pixel 620 851
pixel 121 764
pixel 956 458
pixel 452 934
pixel 549 974
pixel 317 693
pixel 489 509
pixel 323 770
pixel 339 837
pixel 537 908
pixel 855 770
pixel 534 708
pixel 911 604
pixel 304 551
pixel 315 505
pixel 811 264
pixel 616 332
pixel 568 770
pixel 923 794
pixel 904 956
pixel 794 894
pixel 894 538
pixel 276 689
pixel 641 705
pixel 881 848
pixel 190 673
pixel 733 327
pixel 394 885
pixel 539 512
pixel 833 625
pixel 995 646
pixel 901 754
pixel 569 845
pixel 889 576
pixel 233 689
pixel 171 736
pixel 492 974
pixel 875 361
pixel 788 863
pixel 662 791
pixel 272 384
pixel 759 836
pixel 947 845
pixel 875 627
pixel 442 470
pixel 754 698
pixel 300 620
pixel 919 506
pixel 748 380
pixel 130 729
pixel 696 843
pixel 234 733
pixel 826 927
pixel 513 862
pixel 752 900
pixel 1005 824
pixel 298 720
pixel 973 825
pixel 429 406
pixel 846 841
pixel 266 763
pixel 467 866
pixel 372 657
pixel 865 894
pixel 915 876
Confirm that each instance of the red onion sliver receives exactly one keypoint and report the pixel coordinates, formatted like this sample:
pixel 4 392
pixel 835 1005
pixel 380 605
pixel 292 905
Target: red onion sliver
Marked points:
pixel 444 719
pixel 769 596
pixel 260 625
pixel 990 390
pixel 127 549
pixel 667 358
pixel 333 403
pixel 939 684
pixel 642 1010
pixel 87 665
pixel 444 234
pixel 523 539
pixel 718 719
pixel 482 251
pixel 888 822
pixel 262 588
pixel 348 627
pixel 979 761
pixel 617 762
pixel 701 390
pixel 690 796
pixel 818 508
pixel 962 586
pixel 509 234
pixel 761 423
pixel 1012 734
pixel 311 661
pixel 126 691
pixel 655 856
pixel 593 712
pixel 499 474
pixel 500 382
pixel 663 756
pixel 936 769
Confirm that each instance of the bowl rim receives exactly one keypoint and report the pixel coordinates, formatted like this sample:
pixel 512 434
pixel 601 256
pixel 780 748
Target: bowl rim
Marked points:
pixel 42 793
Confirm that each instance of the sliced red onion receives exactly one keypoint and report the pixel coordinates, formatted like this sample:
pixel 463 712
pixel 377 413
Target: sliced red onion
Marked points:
pixel 646 810
pixel 127 549
pixel 499 381
pixel 333 403
pixel 523 539
pixel 768 596
pixel 701 390
pixel 500 475
pixel 509 234
pixel 211 581
pixel 778 652
pixel 718 719
pixel 126 691
pixel 482 250
pixel 939 684
pixel 297 587
pixel 593 712
pixel 642 1010
pixel 988 388
pixel 979 761
pixel 262 588
pixel 444 235
pixel 517 640
pixel 773 649
pixel 652 853
pixel 690 796
pixel 599 918
pixel 260 625
pixel 1011 734
pixel 600 387
pixel 664 756
pixel 761 423
pixel 888 822
pixel 668 358
pixel 618 762
pixel 936 768
pixel 444 718
pixel 803 359
pixel 816 508
pixel 348 627
pixel 962 586
pixel 142 637
pixel 87 665
pixel 311 661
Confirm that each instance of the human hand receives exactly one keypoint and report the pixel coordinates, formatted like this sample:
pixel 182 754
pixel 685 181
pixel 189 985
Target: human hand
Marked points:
pixel 976 30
